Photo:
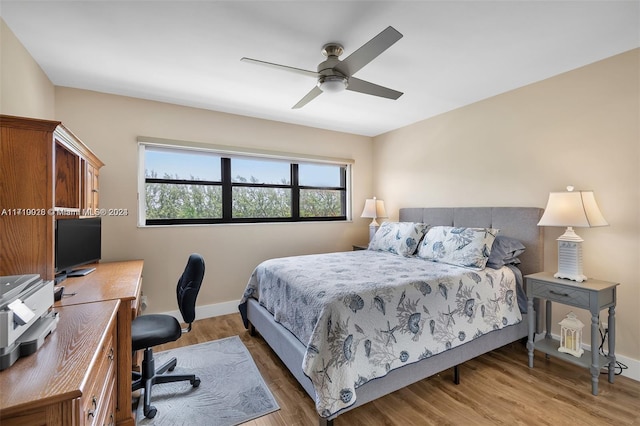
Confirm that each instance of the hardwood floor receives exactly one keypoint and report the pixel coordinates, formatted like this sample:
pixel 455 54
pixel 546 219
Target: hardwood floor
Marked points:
pixel 496 388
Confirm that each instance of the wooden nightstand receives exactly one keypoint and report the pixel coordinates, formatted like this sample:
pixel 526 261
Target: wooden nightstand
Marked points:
pixel 593 295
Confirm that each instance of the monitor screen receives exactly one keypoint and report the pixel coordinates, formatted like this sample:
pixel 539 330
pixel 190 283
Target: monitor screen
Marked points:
pixel 78 242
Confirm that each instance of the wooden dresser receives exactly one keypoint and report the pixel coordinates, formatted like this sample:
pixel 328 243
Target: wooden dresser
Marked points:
pixel 71 379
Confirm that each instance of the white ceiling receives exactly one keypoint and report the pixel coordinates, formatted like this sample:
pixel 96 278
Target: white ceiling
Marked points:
pixel 453 53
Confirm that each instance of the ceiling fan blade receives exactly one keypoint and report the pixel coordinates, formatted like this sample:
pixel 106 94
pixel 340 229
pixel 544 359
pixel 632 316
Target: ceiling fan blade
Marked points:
pixel 308 97
pixel 368 51
pixel 281 67
pixel 361 86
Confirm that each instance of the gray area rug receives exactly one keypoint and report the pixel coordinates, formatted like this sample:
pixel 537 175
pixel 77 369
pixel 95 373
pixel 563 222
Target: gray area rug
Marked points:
pixel 231 391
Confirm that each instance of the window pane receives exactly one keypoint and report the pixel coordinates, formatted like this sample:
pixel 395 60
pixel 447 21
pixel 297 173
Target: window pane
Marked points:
pixel 167 163
pixel 261 202
pixel 327 175
pixel 246 170
pixel 171 201
pixel 320 203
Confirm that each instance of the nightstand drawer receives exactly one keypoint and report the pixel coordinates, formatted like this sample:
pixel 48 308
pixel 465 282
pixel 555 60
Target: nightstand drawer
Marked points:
pixel 568 295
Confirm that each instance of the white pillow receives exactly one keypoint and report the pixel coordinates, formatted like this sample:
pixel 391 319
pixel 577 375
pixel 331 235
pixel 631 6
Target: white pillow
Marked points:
pixel 398 237
pixel 466 247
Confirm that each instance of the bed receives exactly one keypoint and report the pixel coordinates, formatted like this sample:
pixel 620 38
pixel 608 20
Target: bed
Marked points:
pixel 337 371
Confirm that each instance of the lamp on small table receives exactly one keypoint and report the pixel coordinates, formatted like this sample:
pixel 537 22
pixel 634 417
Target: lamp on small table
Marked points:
pixel 374 209
pixel 571 208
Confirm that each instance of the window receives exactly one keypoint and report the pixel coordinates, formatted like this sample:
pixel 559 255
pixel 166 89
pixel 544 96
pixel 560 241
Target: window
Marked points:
pixel 188 186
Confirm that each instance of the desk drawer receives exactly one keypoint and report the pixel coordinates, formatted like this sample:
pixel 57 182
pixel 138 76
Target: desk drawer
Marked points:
pixel 568 295
pixel 97 401
pixel 108 409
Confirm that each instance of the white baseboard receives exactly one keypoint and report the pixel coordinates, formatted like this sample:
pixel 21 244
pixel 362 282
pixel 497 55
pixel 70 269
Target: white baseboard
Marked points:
pixel 209 311
pixel 633 367
pixel 632 371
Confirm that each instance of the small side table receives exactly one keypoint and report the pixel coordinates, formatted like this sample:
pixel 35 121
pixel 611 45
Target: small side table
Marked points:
pixel 593 295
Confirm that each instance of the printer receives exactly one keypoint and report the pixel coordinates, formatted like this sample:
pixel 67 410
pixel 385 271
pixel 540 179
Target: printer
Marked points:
pixel 26 318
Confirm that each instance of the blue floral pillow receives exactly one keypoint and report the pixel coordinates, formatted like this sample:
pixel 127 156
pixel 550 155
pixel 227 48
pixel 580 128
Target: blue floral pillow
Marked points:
pixel 398 237
pixel 466 247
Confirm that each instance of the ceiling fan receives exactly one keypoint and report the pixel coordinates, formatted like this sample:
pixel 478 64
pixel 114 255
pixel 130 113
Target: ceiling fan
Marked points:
pixel 335 75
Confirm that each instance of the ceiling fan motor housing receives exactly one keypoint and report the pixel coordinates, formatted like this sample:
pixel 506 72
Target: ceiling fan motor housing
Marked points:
pixel 331 80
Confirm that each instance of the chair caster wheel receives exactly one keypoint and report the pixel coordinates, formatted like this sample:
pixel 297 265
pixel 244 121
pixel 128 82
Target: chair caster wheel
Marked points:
pixel 151 413
pixel 196 382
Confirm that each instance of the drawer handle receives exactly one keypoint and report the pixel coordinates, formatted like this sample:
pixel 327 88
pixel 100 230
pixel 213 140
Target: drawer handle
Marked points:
pixel 94 403
pixel 111 422
pixel 110 356
pixel 559 294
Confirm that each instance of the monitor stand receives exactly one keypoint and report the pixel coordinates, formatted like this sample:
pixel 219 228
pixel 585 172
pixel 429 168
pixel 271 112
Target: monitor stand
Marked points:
pixel 80 272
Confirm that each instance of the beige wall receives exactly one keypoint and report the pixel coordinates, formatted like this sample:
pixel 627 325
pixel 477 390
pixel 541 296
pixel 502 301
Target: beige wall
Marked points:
pixel 579 128
pixel 110 125
pixel 25 89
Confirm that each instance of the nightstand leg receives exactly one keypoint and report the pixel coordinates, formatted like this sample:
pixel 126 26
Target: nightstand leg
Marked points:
pixel 595 364
pixel 612 342
pixel 547 311
pixel 531 315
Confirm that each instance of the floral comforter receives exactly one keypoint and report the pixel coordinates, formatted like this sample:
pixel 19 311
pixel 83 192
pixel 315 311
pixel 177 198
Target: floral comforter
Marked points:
pixel 363 313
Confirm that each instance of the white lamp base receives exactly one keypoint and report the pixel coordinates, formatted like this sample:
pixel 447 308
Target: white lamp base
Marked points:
pixel 570 257
pixel 372 230
pixel 572 277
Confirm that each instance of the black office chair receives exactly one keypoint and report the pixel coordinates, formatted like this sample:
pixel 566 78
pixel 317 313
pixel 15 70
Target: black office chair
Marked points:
pixel 153 330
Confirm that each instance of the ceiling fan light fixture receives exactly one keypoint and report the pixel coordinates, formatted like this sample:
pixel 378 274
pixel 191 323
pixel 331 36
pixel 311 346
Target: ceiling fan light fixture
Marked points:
pixel 332 83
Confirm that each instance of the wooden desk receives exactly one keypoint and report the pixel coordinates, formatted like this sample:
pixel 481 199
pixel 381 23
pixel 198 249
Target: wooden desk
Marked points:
pixel 113 281
pixel 71 377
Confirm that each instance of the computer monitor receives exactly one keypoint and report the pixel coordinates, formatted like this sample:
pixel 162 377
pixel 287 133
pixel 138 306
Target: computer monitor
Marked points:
pixel 77 243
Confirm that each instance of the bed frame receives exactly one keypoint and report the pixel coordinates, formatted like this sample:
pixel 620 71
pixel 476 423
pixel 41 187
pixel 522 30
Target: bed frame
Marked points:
pixel 516 222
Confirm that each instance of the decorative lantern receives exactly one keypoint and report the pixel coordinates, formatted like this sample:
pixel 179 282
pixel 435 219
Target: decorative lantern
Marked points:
pixel 571 335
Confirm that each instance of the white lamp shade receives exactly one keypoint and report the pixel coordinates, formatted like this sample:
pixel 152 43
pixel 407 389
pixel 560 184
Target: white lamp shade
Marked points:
pixel 577 208
pixel 373 208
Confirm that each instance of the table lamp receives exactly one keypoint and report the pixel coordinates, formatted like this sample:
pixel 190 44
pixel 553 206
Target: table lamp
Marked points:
pixel 571 208
pixel 374 209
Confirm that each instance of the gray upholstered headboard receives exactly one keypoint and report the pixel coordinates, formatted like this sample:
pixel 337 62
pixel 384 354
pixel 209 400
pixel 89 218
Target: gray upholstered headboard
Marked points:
pixel 516 222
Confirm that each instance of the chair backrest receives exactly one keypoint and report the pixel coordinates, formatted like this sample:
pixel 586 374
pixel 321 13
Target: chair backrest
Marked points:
pixel 189 286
